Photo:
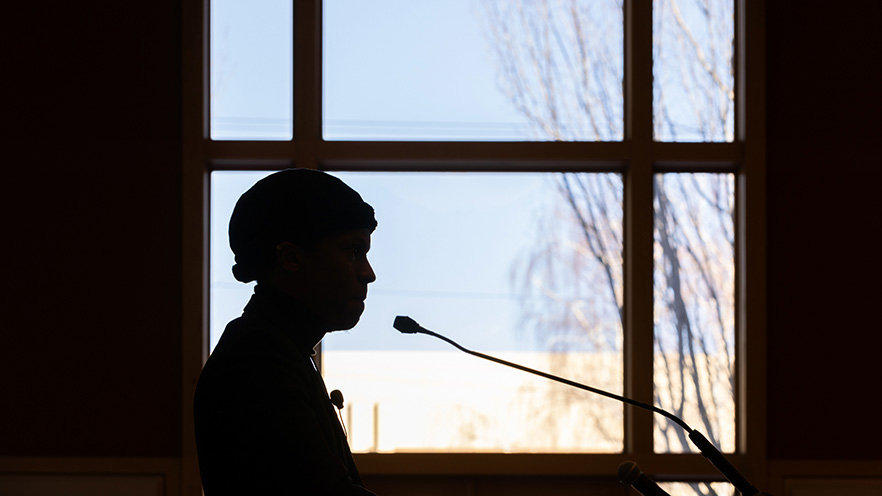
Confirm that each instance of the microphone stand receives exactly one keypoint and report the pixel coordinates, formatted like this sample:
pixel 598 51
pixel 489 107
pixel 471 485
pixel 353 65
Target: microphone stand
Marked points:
pixel 407 325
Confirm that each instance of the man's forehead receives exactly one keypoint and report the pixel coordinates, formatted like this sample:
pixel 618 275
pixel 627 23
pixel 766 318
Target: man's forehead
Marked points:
pixel 360 235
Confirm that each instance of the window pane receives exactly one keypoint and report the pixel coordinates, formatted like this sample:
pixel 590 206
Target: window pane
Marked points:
pixel 694 308
pixel 251 70
pixel 476 70
pixel 501 264
pixel 693 72
pixel 227 296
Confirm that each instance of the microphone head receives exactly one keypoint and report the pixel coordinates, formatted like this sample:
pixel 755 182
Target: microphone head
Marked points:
pixel 337 398
pixel 406 325
pixel 628 472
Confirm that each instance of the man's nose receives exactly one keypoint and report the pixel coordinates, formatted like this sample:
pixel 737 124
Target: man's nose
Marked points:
pixel 367 273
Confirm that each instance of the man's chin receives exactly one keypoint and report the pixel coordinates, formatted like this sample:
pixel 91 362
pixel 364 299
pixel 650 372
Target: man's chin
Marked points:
pixel 345 324
pixel 341 316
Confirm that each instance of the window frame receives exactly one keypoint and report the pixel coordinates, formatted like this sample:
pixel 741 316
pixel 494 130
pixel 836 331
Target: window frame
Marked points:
pixel 638 157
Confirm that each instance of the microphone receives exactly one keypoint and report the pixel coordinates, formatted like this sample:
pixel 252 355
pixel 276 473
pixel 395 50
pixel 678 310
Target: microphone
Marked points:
pixel 407 325
pixel 337 400
pixel 631 475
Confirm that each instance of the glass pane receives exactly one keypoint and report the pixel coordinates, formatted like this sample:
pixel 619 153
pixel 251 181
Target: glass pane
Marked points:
pixel 473 70
pixel 698 488
pixel 693 72
pixel 251 70
pixel 501 264
pixel 227 296
pixel 694 308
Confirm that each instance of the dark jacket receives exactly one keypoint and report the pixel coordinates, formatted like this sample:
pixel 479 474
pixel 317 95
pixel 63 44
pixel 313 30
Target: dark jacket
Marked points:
pixel 264 422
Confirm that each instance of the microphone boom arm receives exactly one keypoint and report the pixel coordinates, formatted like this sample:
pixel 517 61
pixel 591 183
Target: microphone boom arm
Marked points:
pixel 409 326
pixel 546 375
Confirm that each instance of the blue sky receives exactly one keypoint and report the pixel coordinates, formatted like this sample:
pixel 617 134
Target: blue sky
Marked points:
pixel 433 73
pixel 429 78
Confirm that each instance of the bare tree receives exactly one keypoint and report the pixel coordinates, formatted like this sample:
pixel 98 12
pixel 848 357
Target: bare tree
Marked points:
pixel 694 306
pixel 561 65
pixel 556 65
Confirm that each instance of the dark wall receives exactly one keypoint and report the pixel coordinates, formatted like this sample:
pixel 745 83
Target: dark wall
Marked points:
pixel 824 190
pixel 90 344
pixel 90 350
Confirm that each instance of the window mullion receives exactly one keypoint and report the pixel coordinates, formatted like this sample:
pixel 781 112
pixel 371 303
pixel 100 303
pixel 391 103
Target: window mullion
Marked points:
pixel 638 342
pixel 638 327
pixel 307 81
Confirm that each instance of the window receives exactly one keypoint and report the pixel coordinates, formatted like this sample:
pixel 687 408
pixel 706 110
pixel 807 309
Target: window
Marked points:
pixel 564 188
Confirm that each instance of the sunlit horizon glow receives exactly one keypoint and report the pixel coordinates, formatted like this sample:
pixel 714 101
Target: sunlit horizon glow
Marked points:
pixel 447 401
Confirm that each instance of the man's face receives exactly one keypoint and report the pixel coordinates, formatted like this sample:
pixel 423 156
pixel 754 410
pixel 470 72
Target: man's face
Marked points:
pixel 335 275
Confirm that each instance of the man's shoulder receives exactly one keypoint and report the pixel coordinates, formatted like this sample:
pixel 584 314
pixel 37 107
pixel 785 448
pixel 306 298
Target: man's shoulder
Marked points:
pixel 250 334
pixel 251 347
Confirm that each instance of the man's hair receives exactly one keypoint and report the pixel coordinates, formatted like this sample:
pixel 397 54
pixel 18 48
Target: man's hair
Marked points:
pixel 297 205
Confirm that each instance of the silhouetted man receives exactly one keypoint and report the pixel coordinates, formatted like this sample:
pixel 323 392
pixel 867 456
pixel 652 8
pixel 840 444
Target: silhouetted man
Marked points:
pixel 264 421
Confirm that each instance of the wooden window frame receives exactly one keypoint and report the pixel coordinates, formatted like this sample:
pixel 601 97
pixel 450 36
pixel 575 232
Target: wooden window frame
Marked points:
pixel 637 157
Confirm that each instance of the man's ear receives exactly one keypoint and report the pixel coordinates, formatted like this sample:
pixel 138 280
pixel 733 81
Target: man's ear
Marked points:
pixel 288 256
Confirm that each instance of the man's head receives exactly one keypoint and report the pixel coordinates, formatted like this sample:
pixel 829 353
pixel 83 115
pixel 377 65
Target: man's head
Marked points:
pixel 307 233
